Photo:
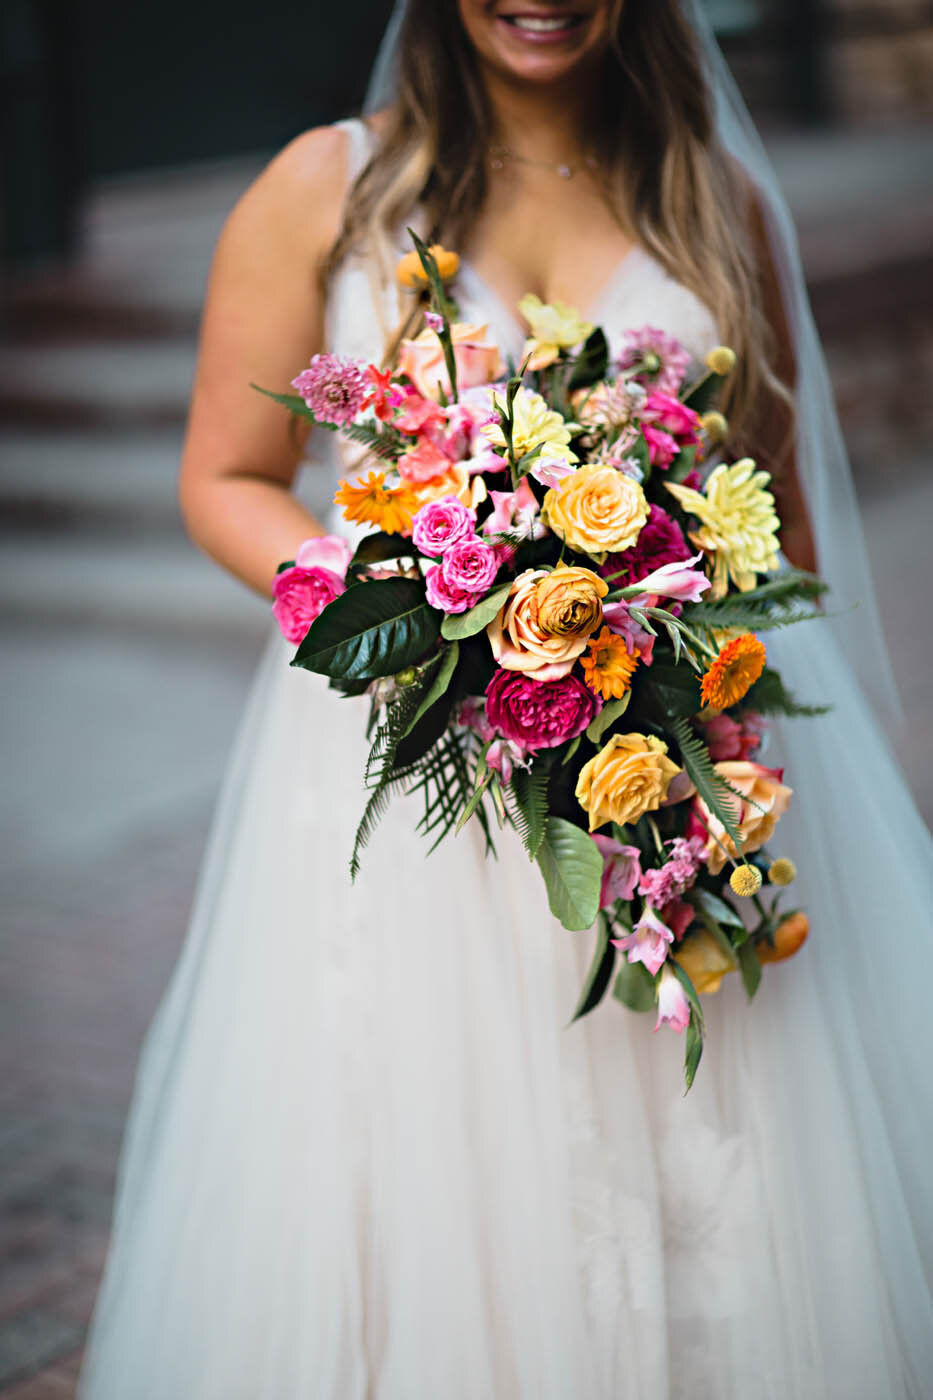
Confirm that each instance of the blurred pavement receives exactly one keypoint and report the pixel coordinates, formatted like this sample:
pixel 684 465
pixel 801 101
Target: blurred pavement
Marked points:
pixel 126 659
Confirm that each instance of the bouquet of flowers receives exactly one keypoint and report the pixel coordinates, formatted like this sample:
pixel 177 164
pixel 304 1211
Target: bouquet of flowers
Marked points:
pixel 554 615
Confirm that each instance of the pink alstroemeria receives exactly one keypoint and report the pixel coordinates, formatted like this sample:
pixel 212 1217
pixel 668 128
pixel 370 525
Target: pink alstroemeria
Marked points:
pixel 514 513
pixel 423 463
pixel 324 552
pixel 638 642
pixel 621 870
pixel 648 941
pixel 550 471
pixel 679 580
pixel 673 1006
pixel 504 754
pixel 417 412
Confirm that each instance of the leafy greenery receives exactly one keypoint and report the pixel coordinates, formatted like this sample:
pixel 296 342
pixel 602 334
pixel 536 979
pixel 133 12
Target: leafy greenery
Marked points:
pixel 589 364
pixel 599 974
pixel 370 631
pixel 572 868
pixel 769 696
pixel 528 806
pixel 443 667
pixel 634 986
pixel 749 966
pixel 721 799
pixel 607 716
pixel 456 626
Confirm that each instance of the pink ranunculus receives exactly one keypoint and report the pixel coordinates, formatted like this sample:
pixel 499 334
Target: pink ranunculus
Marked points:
pixel 470 564
pixel 621 870
pixel 515 513
pixel 662 448
pixel 678 915
pixel 673 416
pixel 648 941
pixel 440 524
pixel 660 541
pixel 300 595
pixel 678 580
pixel 673 1006
pixel 444 596
pixel 728 738
pixel 539 714
pixel 638 642
pixel 423 462
pixel 503 755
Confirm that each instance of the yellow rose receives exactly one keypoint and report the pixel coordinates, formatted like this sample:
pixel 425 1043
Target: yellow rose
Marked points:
pixel 569 602
pixel 596 509
pixel 704 960
pixel 518 641
pixel 627 778
pixel 764 800
pixel 410 273
pixel 422 359
pixel 554 327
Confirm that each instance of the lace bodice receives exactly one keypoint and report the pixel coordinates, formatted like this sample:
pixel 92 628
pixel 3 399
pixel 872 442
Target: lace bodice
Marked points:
pixel 360 307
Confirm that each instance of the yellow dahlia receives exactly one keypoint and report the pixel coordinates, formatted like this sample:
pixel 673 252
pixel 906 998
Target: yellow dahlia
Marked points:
pixel 734 672
pixel 608 666
pixel 533 422
pixel 739 523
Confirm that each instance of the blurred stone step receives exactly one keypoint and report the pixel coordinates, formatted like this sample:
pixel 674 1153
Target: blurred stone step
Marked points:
pixel 141 383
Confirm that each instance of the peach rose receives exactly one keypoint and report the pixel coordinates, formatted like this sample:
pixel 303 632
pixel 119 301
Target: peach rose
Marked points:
pixel 518 641
pixel 627 778
pixel 704 960
pixel 764 800
pixel 596 510
pixel 789 937
pixel 409 272
pixel 569 602
pixel 422 359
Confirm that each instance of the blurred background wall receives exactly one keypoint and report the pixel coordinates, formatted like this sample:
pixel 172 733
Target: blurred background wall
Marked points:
pixel 127 133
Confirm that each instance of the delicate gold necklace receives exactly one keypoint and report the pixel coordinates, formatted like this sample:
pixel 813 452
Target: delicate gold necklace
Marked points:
pixel 498 155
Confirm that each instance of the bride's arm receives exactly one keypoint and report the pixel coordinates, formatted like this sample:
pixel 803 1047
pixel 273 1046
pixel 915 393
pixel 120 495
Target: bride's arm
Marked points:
pixel 773 428
pixel 263 319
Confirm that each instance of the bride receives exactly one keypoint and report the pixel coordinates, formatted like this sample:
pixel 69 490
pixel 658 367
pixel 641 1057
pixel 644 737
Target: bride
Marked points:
pixel 367 1156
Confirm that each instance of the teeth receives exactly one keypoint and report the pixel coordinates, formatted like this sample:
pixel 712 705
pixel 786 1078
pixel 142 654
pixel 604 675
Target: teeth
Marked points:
pixel 540 26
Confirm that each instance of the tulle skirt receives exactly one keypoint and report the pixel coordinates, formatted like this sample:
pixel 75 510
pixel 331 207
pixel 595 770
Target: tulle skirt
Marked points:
pixel 368 1157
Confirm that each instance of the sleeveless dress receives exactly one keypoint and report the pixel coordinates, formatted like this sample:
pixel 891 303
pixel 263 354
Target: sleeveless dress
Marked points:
pixel 368 1159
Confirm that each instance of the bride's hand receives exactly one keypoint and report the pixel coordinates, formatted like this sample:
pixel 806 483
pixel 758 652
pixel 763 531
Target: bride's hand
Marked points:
pixel 263 320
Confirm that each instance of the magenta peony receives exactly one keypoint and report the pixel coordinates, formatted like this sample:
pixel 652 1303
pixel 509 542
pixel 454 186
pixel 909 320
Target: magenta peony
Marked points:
pixel 439 524
pixel 661 541
pixel 333 387
pixel 539 714
pixel 470 564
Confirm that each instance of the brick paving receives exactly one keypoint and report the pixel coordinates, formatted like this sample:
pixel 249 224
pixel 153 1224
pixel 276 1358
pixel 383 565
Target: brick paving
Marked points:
pixel 126 660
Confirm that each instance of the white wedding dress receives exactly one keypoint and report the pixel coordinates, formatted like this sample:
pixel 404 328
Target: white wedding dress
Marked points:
pixel 368 1158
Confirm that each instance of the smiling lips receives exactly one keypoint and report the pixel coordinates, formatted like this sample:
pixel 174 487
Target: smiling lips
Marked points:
pixel 543 26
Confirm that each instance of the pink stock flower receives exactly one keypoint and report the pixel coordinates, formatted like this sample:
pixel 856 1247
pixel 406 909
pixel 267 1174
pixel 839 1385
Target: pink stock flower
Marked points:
pixel 661 541
pixel 679 580
pixel 316 578
pixel 647 344
pixel 470 564
pixel 621 870
pixel 445 596
pixel 728 738
pixel 648 941
pixel 423 463
pixel 539 714
pixel 673 1006
pixel 514 513
pixel 662 448
pixel 668 882
pixel 638 642
pixel 440 524
pixel 503 755
pixel 674 417
pixel 333 387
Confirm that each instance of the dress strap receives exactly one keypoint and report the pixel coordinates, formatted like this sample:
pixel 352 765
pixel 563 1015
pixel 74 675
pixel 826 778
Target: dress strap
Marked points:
pixel 361 144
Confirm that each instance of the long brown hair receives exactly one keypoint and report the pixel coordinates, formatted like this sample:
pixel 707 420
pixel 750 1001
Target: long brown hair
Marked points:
pixel 670 184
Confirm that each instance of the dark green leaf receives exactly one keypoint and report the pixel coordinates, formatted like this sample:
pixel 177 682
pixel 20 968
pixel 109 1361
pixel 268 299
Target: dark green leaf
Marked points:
pixel 443 668
pixel 599 974
pixel 610 712
pixel 768 696
pixel 749 966
pixel 529 806
pixel 590 362
pixel 705 392
pixel 374 548
pixel 295 404
pixel 573 870
pixel 373 630
pixel 715 907
pixel 634 986
pixel 693 1051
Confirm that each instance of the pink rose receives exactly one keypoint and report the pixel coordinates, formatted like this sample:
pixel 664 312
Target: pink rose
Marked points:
pixel 300 596
pixel 440 524
pixel 444 596
pixel 662 448
pixel 621 870
pixel 471 565
pixel 422 359
pixel 648 941
pixel 673 1006
pixel 539 714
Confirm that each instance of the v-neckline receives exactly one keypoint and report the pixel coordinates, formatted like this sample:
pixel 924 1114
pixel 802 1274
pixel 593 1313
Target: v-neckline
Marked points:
pixel 594 312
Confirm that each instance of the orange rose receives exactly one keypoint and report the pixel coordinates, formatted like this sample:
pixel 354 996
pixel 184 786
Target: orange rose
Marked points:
pixel 519 642
pixel 422 359
pixel 410 273
pixel 790 935
pixel 765 799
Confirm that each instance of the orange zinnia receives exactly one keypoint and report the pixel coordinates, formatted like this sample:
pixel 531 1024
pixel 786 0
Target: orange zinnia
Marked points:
pixel 607 665
pixel 371 502
pixel 734 672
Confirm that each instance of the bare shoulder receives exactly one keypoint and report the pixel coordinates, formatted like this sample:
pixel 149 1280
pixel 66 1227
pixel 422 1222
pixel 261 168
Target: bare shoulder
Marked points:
pixel 293 208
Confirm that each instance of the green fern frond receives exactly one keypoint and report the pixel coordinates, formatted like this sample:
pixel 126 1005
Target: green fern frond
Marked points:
pixel 769 696
pixel 528 806
pixel 720 797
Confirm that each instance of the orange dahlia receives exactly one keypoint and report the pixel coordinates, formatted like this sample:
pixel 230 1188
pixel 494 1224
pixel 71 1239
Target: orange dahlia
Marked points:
pixel 371 502
pixel 607 665
pixel 734 672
